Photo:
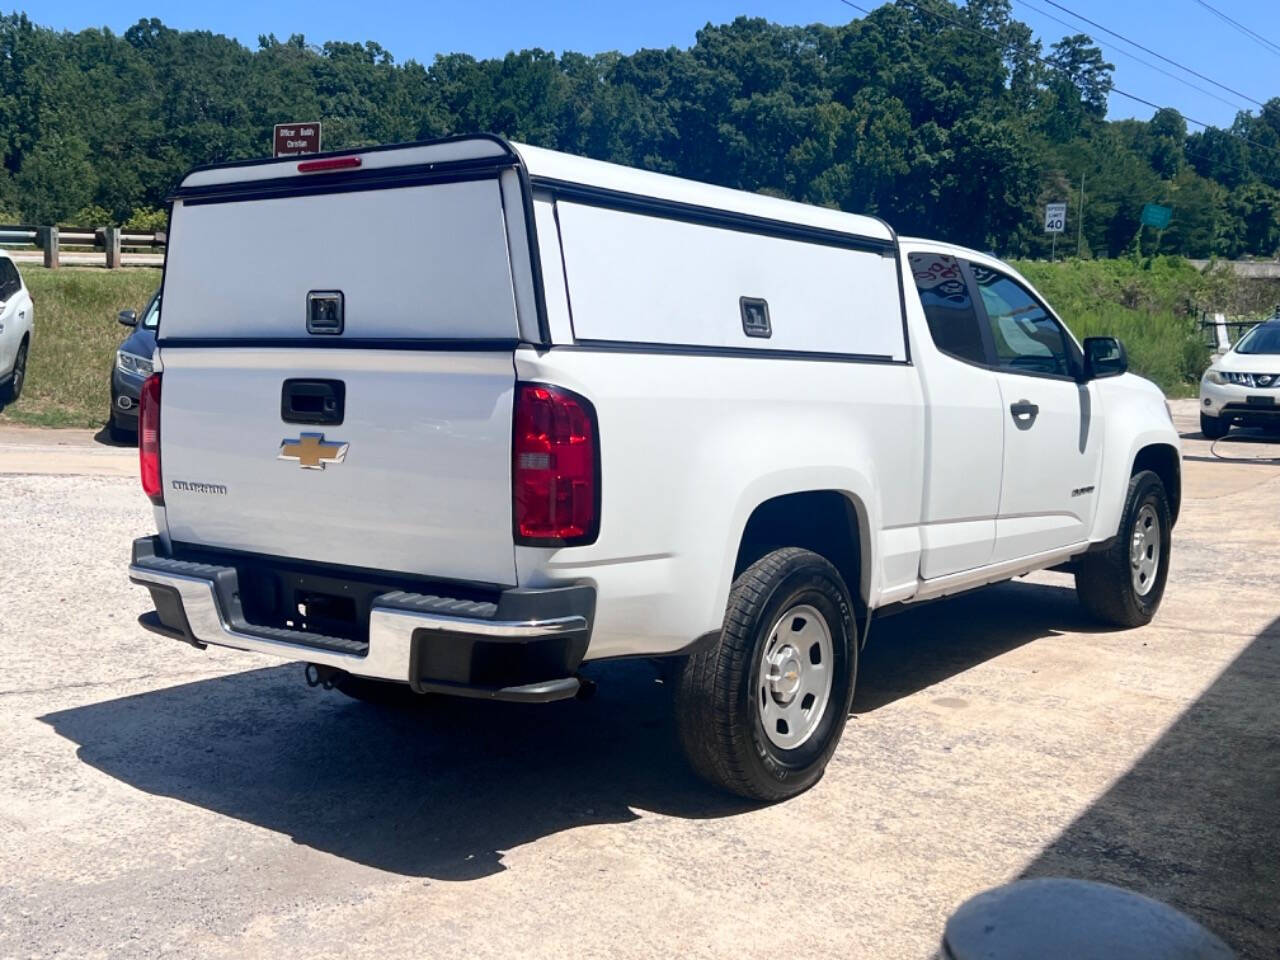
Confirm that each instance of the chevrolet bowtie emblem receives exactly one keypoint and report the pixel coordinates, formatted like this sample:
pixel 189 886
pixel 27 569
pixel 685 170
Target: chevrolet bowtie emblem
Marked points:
pixel 312 451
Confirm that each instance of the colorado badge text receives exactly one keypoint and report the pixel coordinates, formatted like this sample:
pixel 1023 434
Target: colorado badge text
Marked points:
pixel 312 451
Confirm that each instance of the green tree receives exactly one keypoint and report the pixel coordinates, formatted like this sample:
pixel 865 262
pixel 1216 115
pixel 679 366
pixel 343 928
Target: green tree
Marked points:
pixel 944 119
pixel 56 179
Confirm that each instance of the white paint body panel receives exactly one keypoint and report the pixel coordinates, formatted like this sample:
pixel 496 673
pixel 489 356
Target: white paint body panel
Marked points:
pixel 1045 463
pixel 692 440
pixel 690 446
pixel 425 487
pixel 432 261
pixel 564 167
pixel 645 279
pixel 17 320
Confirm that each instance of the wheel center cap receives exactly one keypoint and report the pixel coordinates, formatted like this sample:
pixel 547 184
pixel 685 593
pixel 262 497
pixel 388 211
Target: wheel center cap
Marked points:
pixel 784 673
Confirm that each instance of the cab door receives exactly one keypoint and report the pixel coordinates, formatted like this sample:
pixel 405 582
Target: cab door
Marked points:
pixel 1053 424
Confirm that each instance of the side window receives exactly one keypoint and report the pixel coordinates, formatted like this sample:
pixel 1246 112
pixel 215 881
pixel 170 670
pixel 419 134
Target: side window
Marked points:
pixel 948 307
pixel 10 283
pixel 1027 339
pixel 151 319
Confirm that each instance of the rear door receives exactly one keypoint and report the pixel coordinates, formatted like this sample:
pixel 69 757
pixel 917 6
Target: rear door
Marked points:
pixel 965 423
pixel 338 374
pixel 1052 423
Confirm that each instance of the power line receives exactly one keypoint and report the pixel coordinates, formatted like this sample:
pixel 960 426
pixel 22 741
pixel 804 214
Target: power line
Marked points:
pixel 1049 63
pixel 1175 63
pixel 1262 41
pixel 1146 63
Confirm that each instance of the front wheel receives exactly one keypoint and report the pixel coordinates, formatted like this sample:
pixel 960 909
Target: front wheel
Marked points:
pixel 761 712
pixel 1214 428
pixel 1123 585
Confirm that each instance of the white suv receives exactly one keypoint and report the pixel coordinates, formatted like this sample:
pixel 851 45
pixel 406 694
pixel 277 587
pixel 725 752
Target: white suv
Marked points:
pixel 1241 387
pixel 17 317
pixel 551 410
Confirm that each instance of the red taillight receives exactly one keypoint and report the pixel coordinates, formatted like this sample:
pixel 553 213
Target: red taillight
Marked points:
pixel 555 467
pixel 329 163
pixel 149 438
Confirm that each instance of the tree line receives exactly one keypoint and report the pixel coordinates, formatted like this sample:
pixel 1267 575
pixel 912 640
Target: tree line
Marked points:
pixel 948 121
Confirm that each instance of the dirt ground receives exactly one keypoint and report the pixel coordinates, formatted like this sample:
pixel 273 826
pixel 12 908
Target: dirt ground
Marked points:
pixel 160 801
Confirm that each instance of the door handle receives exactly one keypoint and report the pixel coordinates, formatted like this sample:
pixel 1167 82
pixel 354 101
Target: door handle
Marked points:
pixel 1024 411
pixel 22 314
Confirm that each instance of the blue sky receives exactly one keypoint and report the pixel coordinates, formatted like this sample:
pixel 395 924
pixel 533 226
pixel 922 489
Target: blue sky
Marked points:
pixel 1182 30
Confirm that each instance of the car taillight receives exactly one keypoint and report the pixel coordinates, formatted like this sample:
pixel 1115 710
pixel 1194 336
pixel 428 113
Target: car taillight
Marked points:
pixel 149 438
pixel 555 467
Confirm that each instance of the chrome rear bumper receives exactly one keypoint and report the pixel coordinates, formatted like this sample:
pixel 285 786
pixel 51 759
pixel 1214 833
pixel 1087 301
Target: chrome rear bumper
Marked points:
pixel 431 642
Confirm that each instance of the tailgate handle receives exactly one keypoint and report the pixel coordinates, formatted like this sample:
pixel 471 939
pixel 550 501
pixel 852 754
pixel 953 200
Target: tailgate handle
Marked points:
pixel 313 401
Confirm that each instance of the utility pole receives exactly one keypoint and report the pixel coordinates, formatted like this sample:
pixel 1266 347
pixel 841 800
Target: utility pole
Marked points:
pixel 1080 221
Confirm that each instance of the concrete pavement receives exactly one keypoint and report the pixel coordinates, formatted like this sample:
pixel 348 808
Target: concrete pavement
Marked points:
pixel 160 801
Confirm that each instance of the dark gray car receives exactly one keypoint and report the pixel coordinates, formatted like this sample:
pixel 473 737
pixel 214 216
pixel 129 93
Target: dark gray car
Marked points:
pixel 132 366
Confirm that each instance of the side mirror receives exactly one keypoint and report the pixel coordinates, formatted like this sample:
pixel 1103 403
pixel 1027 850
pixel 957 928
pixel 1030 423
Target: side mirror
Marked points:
pixel 128 317
pixel 1104 357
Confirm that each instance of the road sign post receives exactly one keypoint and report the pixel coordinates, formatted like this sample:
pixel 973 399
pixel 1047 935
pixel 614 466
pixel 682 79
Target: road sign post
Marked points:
pixel 295 139
pixel 1055 221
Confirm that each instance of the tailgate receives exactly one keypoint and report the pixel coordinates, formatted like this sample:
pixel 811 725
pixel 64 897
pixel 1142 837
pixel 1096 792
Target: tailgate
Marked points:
pixel 406 466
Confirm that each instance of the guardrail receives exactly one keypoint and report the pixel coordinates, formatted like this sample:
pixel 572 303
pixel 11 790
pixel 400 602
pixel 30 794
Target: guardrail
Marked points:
pixel 110 240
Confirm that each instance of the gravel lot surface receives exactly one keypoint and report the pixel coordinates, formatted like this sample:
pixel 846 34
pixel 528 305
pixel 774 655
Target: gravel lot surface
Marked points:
pixel 160 801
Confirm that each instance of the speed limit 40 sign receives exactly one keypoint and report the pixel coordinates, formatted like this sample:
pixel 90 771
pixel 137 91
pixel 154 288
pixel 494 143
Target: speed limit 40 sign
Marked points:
pixel 1055 217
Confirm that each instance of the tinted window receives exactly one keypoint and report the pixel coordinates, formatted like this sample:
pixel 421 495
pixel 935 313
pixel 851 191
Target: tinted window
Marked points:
pixel 151 317
pixel 1261 339
pixel 948 307
pixel 1027 339
pixel 10 282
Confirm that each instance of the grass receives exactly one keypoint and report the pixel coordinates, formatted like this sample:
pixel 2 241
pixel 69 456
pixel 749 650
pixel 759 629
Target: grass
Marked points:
pixel 74 341
pixel 1152 305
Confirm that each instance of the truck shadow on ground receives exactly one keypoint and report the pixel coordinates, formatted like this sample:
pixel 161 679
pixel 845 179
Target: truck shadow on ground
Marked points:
pixel 924 645
pixel 443 792
pixel 1193 822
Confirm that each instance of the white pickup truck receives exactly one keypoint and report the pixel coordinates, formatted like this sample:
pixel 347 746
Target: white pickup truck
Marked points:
pixel 458 417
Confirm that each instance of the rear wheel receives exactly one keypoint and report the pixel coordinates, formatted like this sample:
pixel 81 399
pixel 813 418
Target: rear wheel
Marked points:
pixel 761 712
pixel 12 390
pixel 1124 584
pixel 1214 428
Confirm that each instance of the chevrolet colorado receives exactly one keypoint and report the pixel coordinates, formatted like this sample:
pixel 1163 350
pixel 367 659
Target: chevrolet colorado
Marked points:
pixel 482 412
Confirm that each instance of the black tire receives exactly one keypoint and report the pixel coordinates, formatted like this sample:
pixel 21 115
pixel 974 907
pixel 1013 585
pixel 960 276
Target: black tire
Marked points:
pixel 1105 580
pixel 1214 428
pixel 718 715
pixel 383 693
pixel 12 388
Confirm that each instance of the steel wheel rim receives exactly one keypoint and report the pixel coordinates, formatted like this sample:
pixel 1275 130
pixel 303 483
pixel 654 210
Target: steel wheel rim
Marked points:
pixel 1144 550
pixel 19 369
pixel 796 676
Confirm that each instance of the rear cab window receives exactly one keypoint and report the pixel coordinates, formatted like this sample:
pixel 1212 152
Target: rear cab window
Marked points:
pixel 948 306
